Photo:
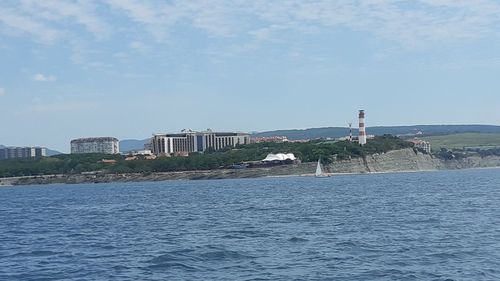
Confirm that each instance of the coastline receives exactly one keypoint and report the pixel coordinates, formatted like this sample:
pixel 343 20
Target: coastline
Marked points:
pixel 284 170
pixel 186 175
pixel 405 160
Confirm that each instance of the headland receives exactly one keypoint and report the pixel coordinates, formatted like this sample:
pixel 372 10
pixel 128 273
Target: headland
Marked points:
pixel 400 160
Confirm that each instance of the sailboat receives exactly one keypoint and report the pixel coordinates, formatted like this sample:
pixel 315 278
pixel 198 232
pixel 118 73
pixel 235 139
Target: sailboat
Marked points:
pixel 319 171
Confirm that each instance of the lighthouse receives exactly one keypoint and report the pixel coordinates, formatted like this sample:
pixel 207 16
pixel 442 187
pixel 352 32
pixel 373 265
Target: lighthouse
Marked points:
pixel 362 128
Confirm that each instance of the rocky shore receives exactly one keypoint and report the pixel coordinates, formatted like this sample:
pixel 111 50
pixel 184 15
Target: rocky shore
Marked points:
pixel 284 170
pixel 394 161
pixel 407 160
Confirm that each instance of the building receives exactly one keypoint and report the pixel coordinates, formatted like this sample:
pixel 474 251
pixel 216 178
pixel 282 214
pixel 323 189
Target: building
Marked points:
pixel 105 145
pixel 22 152
pixel 143 152
pixel 277 139
pixel 422 145
pixel 190 141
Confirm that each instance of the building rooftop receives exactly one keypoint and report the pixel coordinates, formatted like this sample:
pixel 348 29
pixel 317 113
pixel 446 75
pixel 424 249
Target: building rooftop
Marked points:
pixel 94 139
pixel 185 132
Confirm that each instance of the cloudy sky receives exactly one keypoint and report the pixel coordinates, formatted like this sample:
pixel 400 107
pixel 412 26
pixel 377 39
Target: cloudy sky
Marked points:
pixel 129 68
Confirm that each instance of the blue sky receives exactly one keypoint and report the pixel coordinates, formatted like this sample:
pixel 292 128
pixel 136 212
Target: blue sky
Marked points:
pixel 129 68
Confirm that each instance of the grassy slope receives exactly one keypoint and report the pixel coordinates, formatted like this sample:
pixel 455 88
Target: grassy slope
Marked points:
pixel 468 140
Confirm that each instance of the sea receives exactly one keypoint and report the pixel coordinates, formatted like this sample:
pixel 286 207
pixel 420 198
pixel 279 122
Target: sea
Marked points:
pixel 396 226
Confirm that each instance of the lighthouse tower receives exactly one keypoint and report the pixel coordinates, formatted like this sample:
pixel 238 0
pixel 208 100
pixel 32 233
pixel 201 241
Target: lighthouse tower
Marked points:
pixel 362 128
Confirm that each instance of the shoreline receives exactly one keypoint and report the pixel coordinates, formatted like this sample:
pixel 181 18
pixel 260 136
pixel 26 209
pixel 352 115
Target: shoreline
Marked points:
pixel 191 175
pixel 397 161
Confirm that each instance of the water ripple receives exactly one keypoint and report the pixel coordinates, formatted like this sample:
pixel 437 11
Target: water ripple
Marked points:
pixel 417 226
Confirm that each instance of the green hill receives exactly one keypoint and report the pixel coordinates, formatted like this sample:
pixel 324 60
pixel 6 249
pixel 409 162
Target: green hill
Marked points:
pixel 336 132
pixel 464 140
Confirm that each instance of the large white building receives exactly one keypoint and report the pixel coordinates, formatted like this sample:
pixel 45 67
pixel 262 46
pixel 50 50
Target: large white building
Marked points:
pixel 190 141
pixel 105 145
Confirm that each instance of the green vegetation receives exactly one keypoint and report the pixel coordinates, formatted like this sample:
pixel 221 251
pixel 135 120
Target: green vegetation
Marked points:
pixel 488 152
pixel 457 153
pixel 464 141
pixel 429 130
pixel 327 151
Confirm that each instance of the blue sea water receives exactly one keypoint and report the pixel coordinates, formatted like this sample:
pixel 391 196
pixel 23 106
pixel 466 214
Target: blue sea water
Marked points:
pixel 405 226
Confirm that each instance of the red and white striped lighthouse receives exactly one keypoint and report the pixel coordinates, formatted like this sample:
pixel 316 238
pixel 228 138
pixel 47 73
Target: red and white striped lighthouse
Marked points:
pixel 362 128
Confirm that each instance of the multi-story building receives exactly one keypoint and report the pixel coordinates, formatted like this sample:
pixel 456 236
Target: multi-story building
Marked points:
pixel 190 141
pixel 106 145
pixel 22 152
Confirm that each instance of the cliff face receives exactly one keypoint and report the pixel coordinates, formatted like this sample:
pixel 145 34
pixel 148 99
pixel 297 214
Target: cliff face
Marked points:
pixel 393 161
pixel 408 160
pixel 281 170
pixel 472 162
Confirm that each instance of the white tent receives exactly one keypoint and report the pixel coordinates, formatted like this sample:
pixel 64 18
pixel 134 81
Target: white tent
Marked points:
pixel 279 157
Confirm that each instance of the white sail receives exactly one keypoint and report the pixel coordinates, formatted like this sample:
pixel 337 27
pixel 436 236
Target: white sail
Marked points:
pixel 319 171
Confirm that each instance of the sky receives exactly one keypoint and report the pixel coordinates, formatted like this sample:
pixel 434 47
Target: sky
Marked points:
pixel 130 68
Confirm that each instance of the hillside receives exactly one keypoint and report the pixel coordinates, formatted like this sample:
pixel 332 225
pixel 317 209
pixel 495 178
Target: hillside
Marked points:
pixel 132 144
pixel 464 140
pixel 336 132
pixel 51 152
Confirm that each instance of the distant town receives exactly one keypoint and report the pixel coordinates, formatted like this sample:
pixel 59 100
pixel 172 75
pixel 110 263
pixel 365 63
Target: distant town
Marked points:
pixel 185 142
pixel 211 154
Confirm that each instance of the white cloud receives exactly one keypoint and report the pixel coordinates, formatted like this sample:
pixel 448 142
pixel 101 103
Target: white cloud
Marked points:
pixel 216 17
pixel 48 21
pixel 25 24
pixel 2 92
pixel 79 12
pixel 409 23
pixel 44 78
pixel 141 12
pixel 414 23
